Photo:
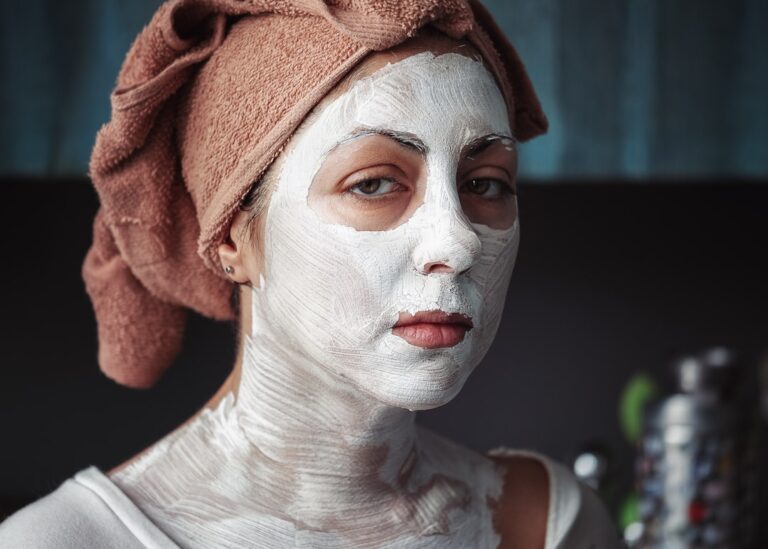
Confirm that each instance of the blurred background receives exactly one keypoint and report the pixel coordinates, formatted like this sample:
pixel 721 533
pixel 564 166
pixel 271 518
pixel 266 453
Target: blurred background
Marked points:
pixel 644 218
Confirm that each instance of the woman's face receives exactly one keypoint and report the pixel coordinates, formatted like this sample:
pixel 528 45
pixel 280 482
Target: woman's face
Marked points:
pixel 395 200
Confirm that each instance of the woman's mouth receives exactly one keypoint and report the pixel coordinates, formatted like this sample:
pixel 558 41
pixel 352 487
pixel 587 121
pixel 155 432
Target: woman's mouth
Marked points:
pixel 432 329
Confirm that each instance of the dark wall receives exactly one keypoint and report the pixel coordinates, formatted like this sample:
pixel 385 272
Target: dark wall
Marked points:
pixel 611 279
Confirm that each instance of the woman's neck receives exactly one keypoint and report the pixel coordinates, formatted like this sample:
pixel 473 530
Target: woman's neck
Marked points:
pixel 290 443
pixel 320 437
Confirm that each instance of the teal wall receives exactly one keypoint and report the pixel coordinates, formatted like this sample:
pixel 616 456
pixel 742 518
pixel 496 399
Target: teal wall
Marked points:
pixel 633 88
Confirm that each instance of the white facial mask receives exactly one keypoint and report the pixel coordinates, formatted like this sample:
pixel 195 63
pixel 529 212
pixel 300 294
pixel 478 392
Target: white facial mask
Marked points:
pixel 335 292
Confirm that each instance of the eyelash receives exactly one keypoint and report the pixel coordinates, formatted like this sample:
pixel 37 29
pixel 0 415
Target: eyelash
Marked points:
pixel 371 197
pixel 504 188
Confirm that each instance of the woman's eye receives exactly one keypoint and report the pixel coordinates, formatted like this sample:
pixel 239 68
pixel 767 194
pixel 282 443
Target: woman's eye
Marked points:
pixel 374 187
pixel 488 188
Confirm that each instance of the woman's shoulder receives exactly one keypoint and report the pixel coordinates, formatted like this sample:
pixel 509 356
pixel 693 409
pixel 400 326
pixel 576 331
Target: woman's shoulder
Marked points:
pixel 522 510
pixel 87 510
pixel 544 505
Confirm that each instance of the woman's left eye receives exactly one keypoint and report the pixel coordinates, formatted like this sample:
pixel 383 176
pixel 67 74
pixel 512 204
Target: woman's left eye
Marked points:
pixel 487 187
pixel 377 186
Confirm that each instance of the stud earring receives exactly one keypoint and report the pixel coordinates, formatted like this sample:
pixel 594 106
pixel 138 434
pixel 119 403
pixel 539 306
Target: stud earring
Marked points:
pixel 229 269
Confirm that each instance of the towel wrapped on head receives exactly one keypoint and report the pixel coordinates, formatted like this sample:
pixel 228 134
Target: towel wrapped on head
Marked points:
pixel 207 96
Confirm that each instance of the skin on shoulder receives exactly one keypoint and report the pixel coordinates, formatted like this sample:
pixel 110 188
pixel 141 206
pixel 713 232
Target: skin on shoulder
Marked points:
pixel 521 513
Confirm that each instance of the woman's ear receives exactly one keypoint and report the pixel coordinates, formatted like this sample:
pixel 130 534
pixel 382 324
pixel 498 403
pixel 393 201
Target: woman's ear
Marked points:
pixel 235 254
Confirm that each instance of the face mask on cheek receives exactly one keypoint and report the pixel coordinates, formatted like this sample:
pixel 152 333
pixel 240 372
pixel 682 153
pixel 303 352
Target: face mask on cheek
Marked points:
pixel 332 293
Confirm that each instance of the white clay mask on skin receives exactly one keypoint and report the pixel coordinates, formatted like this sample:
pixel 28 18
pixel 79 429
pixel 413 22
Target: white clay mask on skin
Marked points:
pixel 336 292
pixel 319 448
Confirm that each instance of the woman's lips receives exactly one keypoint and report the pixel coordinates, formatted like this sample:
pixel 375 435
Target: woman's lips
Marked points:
pixel 432 329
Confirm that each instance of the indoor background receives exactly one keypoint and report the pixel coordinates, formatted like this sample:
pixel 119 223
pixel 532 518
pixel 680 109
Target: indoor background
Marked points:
pixel 644 215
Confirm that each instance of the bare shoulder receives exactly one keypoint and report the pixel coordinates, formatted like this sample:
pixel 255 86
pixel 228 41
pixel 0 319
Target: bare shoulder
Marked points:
pixel 526 518
pixel 522 510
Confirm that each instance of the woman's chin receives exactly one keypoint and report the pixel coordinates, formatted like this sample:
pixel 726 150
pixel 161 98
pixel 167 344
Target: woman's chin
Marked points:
pixel 418 389
pixel 421 398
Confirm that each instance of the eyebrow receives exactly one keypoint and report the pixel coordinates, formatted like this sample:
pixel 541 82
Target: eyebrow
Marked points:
pixel 405 139
pixel 478 145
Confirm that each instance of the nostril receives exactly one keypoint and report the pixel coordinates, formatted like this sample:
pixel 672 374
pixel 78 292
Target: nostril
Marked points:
pixel 437 267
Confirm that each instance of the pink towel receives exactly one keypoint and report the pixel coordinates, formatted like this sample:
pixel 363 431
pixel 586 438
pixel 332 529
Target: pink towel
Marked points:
pixel 207 96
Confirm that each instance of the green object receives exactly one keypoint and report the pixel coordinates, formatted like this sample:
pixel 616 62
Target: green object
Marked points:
pixel 639 390
pixel 629 513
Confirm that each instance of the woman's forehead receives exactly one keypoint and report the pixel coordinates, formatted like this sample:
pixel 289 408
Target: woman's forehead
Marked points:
pixel 446 99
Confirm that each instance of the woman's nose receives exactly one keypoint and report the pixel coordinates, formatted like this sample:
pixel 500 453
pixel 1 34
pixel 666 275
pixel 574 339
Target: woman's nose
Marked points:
pixel 449 246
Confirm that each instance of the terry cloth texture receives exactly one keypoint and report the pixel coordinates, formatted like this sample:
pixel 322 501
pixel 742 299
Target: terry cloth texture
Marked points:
pixel 89 510
pixel 207 96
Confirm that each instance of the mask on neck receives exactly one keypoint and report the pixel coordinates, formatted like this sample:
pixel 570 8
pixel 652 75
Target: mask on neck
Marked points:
pixel 332 292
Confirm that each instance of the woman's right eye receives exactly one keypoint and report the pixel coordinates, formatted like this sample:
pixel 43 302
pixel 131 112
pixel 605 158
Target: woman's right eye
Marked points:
pixel 377 186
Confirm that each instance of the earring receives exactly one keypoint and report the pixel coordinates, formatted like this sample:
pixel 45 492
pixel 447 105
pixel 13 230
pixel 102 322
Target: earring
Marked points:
pixel 229 269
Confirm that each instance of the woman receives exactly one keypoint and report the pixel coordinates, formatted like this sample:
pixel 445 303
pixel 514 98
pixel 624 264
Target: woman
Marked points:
pixel 371 259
